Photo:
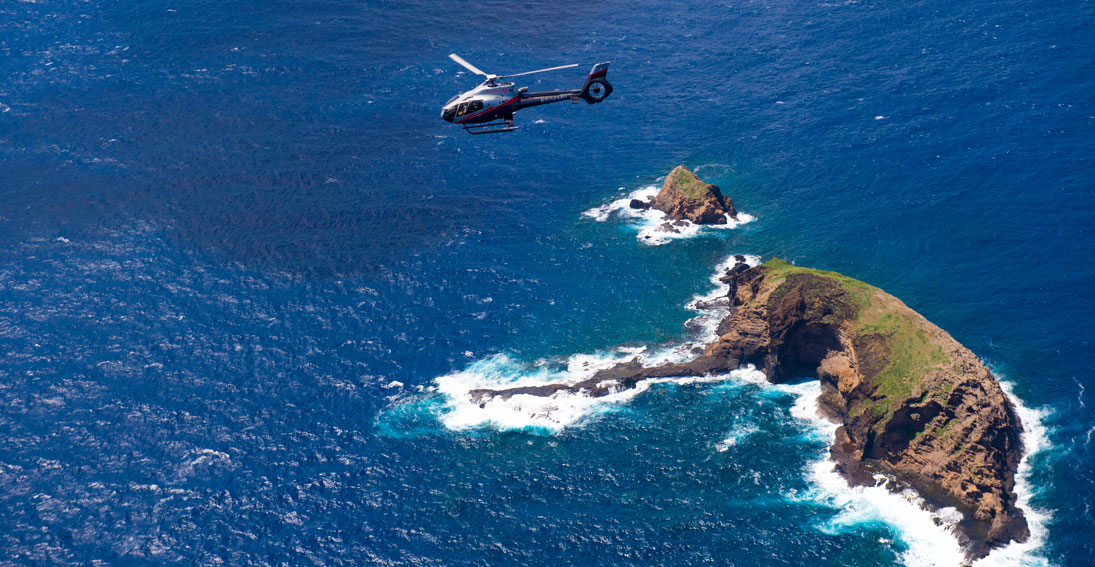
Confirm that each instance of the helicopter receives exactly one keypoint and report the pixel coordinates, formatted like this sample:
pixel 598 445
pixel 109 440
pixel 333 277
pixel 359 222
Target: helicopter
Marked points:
pixel 489 108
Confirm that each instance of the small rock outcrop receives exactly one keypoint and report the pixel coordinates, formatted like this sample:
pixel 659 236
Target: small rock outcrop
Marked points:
pixel 914 405
pixel 684 197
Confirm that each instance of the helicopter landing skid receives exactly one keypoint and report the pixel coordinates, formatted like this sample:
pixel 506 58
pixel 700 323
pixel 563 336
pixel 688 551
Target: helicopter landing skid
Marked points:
pixel 491 127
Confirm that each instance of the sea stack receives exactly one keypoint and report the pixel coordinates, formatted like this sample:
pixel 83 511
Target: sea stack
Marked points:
pixel 684 196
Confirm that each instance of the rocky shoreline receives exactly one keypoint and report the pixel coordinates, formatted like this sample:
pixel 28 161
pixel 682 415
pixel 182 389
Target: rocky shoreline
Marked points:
pixel 916 409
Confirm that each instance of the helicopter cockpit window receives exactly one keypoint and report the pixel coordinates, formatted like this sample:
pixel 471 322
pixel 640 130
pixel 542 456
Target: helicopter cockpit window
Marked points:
pixel 469 107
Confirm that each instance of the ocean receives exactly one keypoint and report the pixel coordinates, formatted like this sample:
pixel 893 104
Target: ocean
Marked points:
pixel 246 272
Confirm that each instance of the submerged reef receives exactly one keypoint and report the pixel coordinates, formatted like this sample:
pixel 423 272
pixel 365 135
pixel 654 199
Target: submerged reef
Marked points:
pixel 916 409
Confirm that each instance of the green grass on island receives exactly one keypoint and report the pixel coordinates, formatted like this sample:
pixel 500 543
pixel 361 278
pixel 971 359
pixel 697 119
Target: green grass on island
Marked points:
pixel 687 182
pixel 911 348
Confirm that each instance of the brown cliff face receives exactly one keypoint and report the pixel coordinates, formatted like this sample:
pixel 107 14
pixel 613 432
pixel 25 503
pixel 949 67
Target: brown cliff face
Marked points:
pixel 913 404
pixel 684 197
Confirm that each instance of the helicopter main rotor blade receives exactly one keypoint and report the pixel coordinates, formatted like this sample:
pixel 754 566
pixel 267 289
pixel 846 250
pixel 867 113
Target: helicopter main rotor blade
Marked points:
pixel 539 70
pixel 467 65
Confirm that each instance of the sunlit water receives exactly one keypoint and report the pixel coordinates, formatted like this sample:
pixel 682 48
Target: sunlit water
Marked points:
pixel 246 271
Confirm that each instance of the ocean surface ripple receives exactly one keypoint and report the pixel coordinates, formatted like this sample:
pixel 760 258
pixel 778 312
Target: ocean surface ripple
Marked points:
pixel 244 268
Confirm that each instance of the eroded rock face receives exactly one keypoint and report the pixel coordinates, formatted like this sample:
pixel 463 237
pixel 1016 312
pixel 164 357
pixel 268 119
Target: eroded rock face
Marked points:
pixel 684 197
pixel 913 404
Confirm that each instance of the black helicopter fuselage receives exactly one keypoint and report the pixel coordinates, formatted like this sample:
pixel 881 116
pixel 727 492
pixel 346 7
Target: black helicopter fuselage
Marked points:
pixel 493 101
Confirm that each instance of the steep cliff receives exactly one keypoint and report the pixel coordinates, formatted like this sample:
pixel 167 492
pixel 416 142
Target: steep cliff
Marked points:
pixel 913 403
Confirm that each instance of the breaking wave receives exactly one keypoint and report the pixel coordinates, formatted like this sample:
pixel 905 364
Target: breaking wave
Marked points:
pixel 738 434
pixel 652 226
pixel 449 400
pixel 1036 443
pixel 547 414
pixel 928 536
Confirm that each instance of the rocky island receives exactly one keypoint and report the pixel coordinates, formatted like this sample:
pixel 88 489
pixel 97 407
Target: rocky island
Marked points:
pixel 684 197
pixel 914 406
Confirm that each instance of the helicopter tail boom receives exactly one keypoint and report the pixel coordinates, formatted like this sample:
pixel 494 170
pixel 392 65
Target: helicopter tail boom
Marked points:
pixel 596 88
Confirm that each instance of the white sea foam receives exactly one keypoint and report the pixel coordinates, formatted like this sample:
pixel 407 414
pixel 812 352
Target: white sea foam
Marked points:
pixel 736 435
pixel 711 308
pixel 522 411
pixel 653 227
pixel 928 535
pixel 1035 440
pixel 545 413
pixel 565 408
pixel 714 306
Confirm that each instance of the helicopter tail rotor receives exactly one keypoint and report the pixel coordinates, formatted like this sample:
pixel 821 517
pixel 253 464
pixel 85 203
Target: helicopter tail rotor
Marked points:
pixel 597 88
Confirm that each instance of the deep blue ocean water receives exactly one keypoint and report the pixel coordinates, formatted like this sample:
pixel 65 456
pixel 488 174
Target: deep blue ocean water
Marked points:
pixel 239 248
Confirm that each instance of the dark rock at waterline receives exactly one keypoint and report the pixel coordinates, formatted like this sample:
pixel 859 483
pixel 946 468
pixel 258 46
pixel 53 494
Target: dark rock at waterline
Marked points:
pixel 914 406
pixel 623 376
pixel 730 278
pixel 639 205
